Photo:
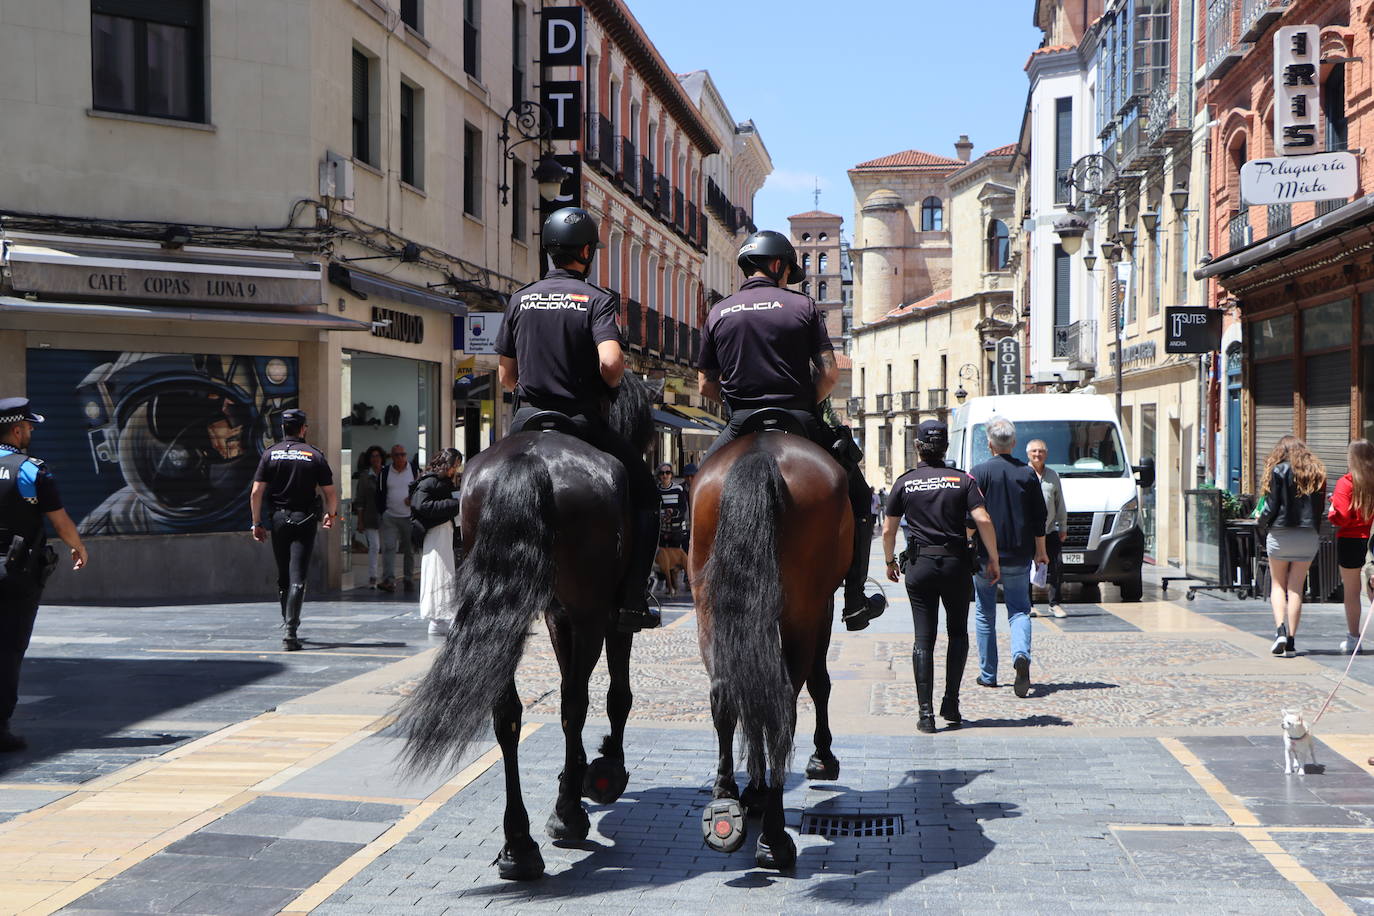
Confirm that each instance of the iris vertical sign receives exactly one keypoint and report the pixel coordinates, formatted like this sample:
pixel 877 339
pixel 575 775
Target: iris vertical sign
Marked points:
pixel 1008 378
pixel 1297 95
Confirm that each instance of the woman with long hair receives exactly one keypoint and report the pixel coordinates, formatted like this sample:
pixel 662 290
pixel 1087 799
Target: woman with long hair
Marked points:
pixel 365 507
pixel 1295 495
pixel 434 504
pixel 1352 512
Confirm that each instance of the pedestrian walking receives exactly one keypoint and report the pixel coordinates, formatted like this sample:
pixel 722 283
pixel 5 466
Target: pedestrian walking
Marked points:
pixel 936 500
pixel 435 506
pixel 1011 491
pixel 1056 523
pixel 28 495
pixel 369 518
pixel 393 506
pixel 1351 513
pixel 290 478
pixel 1294 497
pixel 673 509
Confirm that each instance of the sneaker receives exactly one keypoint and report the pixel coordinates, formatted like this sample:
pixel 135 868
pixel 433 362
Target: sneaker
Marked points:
pixel 1349 643
pixel 1280 640
pixel 386 585
pixel 1288 650
pixel 1034 612
pixel 987 682
pixel 371 583
pixel 438 627
pixel 1058 610
pixel 1022 685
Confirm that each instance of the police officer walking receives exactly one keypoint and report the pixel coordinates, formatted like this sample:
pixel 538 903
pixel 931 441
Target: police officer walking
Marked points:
pixel 28 495
pixel 560 350
pixel 936 501
pixel 286 480
pixel 767 346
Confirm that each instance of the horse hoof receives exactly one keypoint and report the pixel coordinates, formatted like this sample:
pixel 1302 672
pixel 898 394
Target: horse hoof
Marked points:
pixel 780 857
pixel 604 780
pixel 754 799
pixel 520 861
pixel 825 768
pixel 725 788
pixel 723 825
pixel 571 827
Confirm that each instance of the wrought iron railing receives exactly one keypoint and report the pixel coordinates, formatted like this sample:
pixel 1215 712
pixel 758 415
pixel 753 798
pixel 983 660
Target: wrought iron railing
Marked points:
pixel 646 180
pixel 629 162
pixel 854 407
pixel 685 353
pixel 669 338
pixel 1256 15
pixel 937 398
pixel 911 401
pixel 1077 343
pixel 1220 33
pixel 651 318
pixel 634 326
pixel 1168 112
pixel 1278 218
pixel 1238 230
pixel 884 403
pixel 1326 206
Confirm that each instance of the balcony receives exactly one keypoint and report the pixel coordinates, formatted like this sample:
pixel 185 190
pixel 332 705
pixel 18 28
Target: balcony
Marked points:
pixel 1257 15
pixel 1077 343
pixel 1168 114
pixel 665 198
pixel 634 327
pixel 651 318
pixel 629 173
pixel 1223 51
pixel 646 182
pixel 685 353
pixel 937 399
pixel 1238 230
pixel 884 405
pixel 854 407
pixel 669 338
pixel 911 401
pixel 696 344
pixel 679 210
pixel 691 222
pixel 592 150
pixel 1278 218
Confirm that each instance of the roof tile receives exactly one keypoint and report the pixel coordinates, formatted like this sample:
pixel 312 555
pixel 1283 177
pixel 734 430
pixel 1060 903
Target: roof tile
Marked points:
pixel 929 301
pixel 912 158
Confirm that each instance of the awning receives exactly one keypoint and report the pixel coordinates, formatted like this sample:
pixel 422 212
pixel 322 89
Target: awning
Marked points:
pixel 698 415
pixel 321 320
pixel 1354 213
pixel 672 420
pixel 365 284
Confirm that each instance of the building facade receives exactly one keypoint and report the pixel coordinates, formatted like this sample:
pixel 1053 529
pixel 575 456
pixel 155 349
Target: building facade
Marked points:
pixel 299 209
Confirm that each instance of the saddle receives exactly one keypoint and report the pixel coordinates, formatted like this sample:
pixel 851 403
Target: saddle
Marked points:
pixel 772 420
pixel 551 421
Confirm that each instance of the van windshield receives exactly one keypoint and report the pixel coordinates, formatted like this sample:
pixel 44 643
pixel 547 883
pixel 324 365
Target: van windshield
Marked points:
pixel 1078 448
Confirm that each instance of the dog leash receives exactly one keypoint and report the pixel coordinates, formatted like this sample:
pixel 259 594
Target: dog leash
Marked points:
pixel 1354 654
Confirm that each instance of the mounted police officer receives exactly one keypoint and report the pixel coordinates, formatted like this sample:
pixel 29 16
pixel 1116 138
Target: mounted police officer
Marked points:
pixel 560 350
pixel 767 346
pixel 937 500
pixel 28 495
pixel 287 477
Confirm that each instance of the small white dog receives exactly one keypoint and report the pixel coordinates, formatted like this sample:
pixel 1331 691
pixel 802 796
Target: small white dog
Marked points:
pixel 1298 752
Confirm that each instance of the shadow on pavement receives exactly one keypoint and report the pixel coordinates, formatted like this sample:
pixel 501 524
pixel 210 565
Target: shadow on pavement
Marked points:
pixel 940 833
pixel 1021 722
pixel 86 702
pixel 1044 690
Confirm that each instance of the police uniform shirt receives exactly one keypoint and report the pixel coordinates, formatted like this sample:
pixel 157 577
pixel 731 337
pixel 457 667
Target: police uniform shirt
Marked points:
pixel 935 500
pixel 552 329
pixel 763 341
pixel 673 499
pixel 292 469
pixel 27 493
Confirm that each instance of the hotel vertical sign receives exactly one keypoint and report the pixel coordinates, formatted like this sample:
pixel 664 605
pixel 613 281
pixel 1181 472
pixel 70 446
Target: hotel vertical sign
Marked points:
pixel 1297 90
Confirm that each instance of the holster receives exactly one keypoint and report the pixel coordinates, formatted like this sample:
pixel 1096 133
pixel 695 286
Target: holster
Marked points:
pixel 16 556
pixel 42 564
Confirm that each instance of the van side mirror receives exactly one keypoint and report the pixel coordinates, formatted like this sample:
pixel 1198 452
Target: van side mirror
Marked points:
pixel 1145 473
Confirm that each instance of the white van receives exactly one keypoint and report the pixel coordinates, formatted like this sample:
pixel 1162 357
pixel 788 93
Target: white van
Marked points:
pixel 1104 541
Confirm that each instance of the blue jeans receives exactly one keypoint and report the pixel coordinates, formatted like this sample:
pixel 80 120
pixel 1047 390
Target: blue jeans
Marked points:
pixel 1016 592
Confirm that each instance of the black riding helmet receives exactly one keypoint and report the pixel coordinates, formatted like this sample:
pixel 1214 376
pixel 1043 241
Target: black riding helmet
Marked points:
pixel 567 231
pixel 765 246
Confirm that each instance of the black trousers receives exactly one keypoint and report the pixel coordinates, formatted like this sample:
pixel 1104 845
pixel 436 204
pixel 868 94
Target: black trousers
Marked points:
pixel 930 582
pixel 19 597
pixel 293 541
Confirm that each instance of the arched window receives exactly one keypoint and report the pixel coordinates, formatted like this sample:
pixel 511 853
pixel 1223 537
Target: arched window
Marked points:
pixel 822 261
pixel 806 262
pixel 999 249
pixel 821 291
pixel 806 287
pixel 932 215
pixel 806 236
pixel 823 236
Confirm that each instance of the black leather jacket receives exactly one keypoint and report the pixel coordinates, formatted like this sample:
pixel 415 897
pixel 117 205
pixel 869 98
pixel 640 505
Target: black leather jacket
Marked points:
pixel 1284 508
pixel 433 501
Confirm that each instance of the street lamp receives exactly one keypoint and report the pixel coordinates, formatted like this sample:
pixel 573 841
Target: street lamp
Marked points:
pixel 1070 230
pixel 969 372
pixel 1149 219
pixel 549 176
pixel 1127 237
pixel 533 123
pixel 1108 248
pixel 1179 195
pixel 1089 259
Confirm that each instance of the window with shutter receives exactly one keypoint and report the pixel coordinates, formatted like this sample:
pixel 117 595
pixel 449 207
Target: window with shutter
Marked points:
pixel 362 115
pixel 1272 389
pixel 1327 393
pixel 1063 148
pixel 1062 287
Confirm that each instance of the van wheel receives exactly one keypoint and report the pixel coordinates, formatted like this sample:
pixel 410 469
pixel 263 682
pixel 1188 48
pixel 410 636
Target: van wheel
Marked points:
pixel 1132 589
pixel 1091 593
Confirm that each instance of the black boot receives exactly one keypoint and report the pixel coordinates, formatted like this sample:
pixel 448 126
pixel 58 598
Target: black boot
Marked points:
pixel 295 597
pixel 923 663
pixel 635 613
pixel 281 593
pixel 956 657
pixel 859 608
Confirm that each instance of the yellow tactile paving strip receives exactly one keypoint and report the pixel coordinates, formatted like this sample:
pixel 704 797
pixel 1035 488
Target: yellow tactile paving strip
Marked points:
pixel 52 855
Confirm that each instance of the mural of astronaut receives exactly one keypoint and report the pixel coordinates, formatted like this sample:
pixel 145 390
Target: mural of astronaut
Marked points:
pixel 173 438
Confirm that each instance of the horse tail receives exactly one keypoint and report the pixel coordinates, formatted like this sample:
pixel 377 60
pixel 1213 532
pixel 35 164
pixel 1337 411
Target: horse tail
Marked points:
pixel 506 579
pixel 743 583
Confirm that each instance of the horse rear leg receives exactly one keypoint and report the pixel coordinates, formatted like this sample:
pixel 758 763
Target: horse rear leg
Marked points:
pixel 606 776
pixel 822 764
pixel 723 825
pixel 578 651
pixel 519 859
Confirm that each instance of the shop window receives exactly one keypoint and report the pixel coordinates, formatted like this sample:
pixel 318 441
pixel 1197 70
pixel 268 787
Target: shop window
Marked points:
pixel 365 108
pixel 932 215
pixel 410 14
pixel 1326 327
pixel 519 204
pixel 148 58
pixel 1271 337
pixel 472 39
pixel 999 245
pixel 412 136
pixel 472 170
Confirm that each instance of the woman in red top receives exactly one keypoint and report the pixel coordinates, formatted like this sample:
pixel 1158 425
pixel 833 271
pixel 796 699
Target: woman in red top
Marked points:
pixel 1352 511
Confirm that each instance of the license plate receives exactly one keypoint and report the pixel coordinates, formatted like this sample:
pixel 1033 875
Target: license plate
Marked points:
pixel 1071 559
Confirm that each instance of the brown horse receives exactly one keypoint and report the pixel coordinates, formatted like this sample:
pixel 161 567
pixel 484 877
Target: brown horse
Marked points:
pixel 772 534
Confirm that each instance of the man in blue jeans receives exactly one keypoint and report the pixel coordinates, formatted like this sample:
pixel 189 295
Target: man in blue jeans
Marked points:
pixel 1012 493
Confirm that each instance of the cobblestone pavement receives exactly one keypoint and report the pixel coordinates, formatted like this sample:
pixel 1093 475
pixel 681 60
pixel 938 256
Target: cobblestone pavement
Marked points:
pixel 182 764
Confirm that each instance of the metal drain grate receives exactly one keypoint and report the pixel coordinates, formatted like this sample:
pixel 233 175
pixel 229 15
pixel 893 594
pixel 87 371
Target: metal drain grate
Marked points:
pixel 856 825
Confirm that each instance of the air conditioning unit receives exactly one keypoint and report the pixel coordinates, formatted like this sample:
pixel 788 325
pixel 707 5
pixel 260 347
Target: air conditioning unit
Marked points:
pixel 336 177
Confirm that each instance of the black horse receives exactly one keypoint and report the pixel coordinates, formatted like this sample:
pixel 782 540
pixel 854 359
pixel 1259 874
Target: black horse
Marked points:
pixel 546 523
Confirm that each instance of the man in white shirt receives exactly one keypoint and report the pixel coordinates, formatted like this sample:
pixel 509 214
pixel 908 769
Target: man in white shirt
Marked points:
pixel 393 498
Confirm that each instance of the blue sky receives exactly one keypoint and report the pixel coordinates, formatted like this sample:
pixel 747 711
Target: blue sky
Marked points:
pixel 827 94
